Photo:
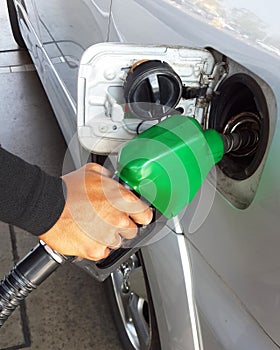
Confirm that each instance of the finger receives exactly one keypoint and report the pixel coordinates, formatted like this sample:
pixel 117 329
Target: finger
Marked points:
pixel 144 217
pixel 124 228
pixel 116 244
pixel 130 232
pixel 97 252
pixel 128 202
pixel 122 225
pixel 75 243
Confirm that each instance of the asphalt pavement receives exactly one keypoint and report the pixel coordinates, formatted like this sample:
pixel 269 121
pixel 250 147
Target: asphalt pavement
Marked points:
pixel 69 310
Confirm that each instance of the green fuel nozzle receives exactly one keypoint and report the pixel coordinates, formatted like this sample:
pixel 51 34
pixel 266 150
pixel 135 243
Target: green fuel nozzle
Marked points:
pixel 168 163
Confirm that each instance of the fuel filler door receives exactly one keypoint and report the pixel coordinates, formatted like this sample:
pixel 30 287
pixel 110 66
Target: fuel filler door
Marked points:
pixel 124 89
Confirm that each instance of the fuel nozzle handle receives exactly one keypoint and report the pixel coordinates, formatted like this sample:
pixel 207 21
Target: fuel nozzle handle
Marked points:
pixel 167 163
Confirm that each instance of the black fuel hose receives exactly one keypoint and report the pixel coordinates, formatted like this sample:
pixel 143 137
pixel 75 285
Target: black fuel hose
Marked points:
pixel 26 276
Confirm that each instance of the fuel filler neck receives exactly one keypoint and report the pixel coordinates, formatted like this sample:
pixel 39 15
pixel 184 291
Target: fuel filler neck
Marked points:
pixel 241 134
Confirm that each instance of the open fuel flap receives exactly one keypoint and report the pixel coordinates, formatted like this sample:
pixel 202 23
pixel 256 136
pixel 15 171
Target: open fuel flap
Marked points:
pixel 125 89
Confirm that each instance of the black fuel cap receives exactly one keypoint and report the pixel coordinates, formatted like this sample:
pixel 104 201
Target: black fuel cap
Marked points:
pixel 152 89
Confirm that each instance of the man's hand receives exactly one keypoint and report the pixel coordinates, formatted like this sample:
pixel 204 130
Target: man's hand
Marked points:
pixel 98 213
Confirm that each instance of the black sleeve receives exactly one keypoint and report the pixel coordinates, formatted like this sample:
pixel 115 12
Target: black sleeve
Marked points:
pixel 29 198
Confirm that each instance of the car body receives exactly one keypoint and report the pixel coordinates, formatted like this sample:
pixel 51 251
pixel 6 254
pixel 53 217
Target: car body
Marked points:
pixel 214 279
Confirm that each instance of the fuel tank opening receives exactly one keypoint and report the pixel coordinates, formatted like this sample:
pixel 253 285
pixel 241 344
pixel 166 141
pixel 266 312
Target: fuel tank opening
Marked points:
pixel 239 111
pixel 242 134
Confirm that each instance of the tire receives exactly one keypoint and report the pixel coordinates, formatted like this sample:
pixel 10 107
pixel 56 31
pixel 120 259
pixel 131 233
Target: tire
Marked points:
pixel 134 316
pixel 15 24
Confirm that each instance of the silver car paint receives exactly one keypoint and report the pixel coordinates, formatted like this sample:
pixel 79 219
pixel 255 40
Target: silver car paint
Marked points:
pixel 241 246
pixel 61 24
pixel 56 48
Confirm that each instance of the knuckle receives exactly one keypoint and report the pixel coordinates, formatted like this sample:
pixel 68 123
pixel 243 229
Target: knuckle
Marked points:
pixel 128 195
pixel 123 221
pixel 94 167
pixel 88 166
pixel 130 232
pixel 117 243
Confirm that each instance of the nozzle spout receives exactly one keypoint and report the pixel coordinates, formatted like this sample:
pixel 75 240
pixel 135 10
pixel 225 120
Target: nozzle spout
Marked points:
pixel 241 142
pixel 241 134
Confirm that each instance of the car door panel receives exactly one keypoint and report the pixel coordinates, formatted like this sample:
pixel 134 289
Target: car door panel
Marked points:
pixel 67 29
pixel 29 29
pixel 240 245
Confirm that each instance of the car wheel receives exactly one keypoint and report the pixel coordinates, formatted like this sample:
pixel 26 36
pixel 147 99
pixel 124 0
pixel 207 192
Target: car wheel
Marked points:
pixel 132 306
pixel 14 24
